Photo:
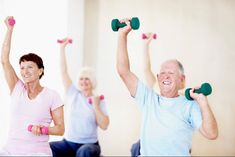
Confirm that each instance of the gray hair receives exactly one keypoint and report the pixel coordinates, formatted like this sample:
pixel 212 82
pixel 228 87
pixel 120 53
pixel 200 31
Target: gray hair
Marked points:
pixel 90 73
pixel 180 66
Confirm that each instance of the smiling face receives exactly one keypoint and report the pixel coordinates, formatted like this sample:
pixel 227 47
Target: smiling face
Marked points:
pixel 30 71
pixel 170 79
pixel 86 80
pixel 85 83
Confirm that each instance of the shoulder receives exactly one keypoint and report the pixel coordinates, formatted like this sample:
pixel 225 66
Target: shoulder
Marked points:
pixel 50 92
pixel 19 88
pixel 190 105
pixel 72 90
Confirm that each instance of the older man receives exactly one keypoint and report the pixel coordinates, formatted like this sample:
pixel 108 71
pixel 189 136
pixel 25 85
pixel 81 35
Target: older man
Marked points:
pixel 168 119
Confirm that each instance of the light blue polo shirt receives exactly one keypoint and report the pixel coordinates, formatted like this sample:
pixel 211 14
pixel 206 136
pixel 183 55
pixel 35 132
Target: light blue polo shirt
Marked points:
pixel 80 119
pixel 167 123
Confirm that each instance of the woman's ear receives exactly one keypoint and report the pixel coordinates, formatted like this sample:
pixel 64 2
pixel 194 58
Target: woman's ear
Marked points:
pixel 40 72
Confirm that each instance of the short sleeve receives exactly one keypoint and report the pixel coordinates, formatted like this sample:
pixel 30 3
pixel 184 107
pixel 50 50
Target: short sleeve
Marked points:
pixel 195 118
pixel 72 91
pixel 144 95
pixel 56 101
pixel 18 89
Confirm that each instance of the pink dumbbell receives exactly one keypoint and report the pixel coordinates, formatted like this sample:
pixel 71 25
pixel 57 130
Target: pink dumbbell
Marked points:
pixel 44 130
pixel 145 37
pixel 90 100
pixel 62 41
pixel 11 21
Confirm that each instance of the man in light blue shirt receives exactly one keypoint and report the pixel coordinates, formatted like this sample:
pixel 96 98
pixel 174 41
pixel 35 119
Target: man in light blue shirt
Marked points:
pixel 167 123
pixel 168 120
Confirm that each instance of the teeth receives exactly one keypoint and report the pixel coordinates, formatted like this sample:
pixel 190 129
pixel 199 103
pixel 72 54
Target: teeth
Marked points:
pixel 166 82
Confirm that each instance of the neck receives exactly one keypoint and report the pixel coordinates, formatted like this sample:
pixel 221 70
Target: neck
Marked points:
pixel 169 94
pixel 33 89
pixel 87 93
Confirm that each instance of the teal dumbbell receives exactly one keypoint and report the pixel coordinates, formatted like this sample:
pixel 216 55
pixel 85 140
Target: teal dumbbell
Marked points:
pixel 205 89
pixel 135 24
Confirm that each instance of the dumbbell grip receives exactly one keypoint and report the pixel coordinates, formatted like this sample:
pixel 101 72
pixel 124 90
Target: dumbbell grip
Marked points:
pixel 145 37
pixel 101 98
pixel 61 41
pixel 121 24
pixel 198 91
pixel 44 130
pixel 205 89
pixel 11 22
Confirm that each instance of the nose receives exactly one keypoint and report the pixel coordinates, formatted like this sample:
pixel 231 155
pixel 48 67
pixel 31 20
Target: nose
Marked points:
pixel 166 76
pixel 24 71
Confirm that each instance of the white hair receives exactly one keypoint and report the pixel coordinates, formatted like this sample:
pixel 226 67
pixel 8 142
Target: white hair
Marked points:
pixel 90 73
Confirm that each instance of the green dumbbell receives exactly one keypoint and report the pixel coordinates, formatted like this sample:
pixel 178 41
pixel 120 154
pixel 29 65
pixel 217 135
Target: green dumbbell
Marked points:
pixel 205 89
pixel 135 24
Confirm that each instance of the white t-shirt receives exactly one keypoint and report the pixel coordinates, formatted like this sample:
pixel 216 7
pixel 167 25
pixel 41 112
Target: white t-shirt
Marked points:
pixel 80 119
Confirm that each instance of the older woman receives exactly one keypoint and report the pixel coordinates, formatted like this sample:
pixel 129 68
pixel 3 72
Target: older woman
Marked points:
pixel 82 118
pixel 33 107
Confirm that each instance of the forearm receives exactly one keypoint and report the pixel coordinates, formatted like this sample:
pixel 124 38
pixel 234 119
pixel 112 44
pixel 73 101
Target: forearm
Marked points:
pixel 101 119
pixel 123 66
pixel 209 124
pixel 6 46
pixel 64 72
pixel 56 130
pixel 58 119
pixel 9 72
pixel 122 55
pixel 149 76
pixel 63 62
pixel 146 58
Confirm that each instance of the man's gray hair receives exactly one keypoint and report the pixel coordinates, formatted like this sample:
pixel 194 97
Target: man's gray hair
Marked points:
pixel 180 66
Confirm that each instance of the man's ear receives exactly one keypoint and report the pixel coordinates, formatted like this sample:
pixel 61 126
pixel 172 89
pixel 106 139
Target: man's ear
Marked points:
pixel 182 79
pixel 157 75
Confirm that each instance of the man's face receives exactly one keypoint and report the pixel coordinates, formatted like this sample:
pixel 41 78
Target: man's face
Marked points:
pixel 170 78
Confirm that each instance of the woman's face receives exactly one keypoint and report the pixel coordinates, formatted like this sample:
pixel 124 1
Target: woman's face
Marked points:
pixel 29 71
pixel 85 83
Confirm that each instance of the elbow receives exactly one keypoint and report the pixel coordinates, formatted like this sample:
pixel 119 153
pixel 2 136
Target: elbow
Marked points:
pixel 213 136
pixel 122 71
pixel 122 68
pixel 105 125
pixel 61 131
pixel 4 61
pixel 64 71
pixel 210 133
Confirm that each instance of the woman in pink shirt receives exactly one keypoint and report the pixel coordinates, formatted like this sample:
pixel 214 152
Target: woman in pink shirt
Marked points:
pixel 33 107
